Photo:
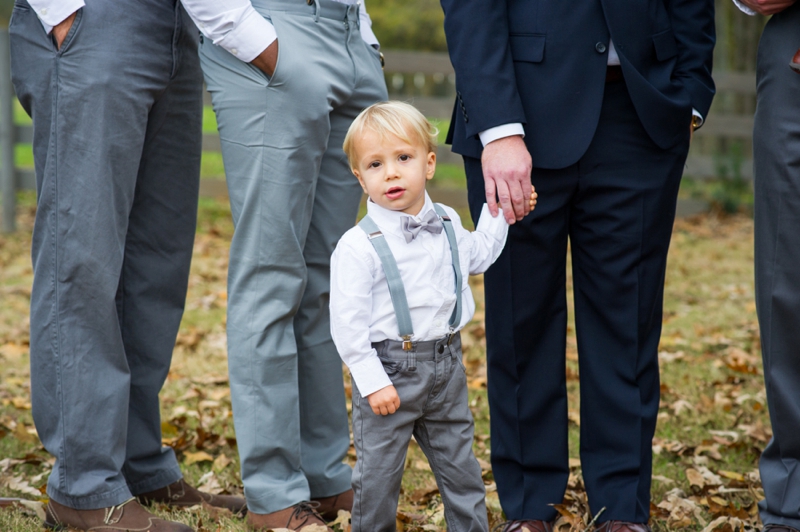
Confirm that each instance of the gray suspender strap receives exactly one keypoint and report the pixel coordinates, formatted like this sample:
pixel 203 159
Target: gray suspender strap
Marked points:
pixel 396 290
pixel 455 319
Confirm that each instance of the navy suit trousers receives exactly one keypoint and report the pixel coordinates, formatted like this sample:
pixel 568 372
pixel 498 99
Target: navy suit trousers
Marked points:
pixel 616 208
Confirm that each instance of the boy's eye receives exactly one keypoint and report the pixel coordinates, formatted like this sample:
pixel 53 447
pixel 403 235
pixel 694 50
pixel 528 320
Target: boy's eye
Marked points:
pixel 374 164
pixel 404 157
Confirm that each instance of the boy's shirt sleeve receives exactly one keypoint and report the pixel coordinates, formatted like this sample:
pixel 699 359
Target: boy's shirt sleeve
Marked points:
pixel 486 242
pixel 352 276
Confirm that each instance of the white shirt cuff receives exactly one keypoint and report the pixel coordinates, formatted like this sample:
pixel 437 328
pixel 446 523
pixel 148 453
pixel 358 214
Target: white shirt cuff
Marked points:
pixel 251 36
pixel 696 113
pixel 744 8
pixel 494 226
pixel 369 375
pixel 499 132
pixel 52 13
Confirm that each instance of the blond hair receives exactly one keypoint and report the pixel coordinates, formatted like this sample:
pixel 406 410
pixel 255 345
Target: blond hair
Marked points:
pixel 400 119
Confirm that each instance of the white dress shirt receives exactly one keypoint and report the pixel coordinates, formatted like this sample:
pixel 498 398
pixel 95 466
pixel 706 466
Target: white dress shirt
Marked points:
pixel 360 302
pixel 233 24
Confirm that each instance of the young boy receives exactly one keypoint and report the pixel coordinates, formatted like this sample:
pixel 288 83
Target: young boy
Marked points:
pixel 399 297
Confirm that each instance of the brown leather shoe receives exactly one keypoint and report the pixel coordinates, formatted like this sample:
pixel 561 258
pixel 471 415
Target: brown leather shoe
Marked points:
pixel 294 517
pixel 529 525
pixel 182 494
pixel 780 528
pixel 329 506
pixel 622 526
pixel 128 517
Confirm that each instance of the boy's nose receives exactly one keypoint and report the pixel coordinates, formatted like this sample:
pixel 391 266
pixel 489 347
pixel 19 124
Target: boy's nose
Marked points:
pixel 392 172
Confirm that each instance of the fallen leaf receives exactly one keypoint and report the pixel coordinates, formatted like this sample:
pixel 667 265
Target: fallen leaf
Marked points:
pixel 681 405
pixel 200 456
pixel 732 475
pixel 695 479
pixel 21 485
pixel 36 507
pixel 221 462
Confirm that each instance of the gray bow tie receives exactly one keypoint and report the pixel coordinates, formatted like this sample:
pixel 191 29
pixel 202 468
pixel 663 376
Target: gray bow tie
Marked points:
pixel 411 227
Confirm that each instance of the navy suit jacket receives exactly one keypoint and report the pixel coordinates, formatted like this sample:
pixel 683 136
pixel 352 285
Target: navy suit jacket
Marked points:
pixel 543 63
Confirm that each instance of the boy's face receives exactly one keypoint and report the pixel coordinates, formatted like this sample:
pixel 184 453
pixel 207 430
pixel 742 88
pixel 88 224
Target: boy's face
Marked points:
pixel 393 172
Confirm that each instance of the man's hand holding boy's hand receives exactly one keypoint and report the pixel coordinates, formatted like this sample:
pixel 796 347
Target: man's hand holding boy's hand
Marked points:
pixel 385 401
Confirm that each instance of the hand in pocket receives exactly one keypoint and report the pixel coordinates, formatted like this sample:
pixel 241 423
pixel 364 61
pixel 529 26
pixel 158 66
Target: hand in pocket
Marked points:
pixel 61 30
pixel 268 59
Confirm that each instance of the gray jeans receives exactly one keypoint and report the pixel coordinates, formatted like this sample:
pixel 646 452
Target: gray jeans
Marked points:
pixel 432 384
pixel 292 197
pixel 117 138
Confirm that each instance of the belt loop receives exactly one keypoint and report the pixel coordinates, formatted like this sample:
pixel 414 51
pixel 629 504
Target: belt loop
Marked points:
pixel 412 358
pixel 315 3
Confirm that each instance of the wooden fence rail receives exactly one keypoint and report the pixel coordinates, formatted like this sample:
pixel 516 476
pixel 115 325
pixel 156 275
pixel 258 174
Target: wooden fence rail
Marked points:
pixel 737 127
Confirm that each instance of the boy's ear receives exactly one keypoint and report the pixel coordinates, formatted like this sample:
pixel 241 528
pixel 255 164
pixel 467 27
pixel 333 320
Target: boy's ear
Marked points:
pixel 360 179
pixel 431 165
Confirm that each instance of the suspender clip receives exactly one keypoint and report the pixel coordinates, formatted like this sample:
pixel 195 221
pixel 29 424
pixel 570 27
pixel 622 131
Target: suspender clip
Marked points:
pixel 407 346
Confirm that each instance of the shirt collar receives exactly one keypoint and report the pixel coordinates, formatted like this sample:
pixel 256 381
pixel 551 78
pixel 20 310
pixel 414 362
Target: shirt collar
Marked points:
pixel 388 220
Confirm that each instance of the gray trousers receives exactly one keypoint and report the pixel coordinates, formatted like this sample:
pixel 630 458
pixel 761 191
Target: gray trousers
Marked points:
pixel 432 384
pixel 117 122
pixel 292 197
pixel 776 146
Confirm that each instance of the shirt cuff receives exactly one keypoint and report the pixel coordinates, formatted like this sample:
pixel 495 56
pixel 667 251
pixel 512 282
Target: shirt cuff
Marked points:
pixel 744 8
pixel 494 226
pixel 696 113
pixel 369 375
pixel 499 132
pixel 52 14
pixel 249 38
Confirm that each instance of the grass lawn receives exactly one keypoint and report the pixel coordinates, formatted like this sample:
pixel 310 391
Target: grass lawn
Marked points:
pixel 712 422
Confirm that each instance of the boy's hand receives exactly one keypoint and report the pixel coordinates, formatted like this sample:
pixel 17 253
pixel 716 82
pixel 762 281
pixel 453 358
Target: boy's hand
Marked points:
pixel 534 197
pixel 385 401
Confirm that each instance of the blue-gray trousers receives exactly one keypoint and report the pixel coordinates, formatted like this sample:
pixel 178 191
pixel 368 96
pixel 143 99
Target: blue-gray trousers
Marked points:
pixel 292 197
pixel 776 148
pixel 117 131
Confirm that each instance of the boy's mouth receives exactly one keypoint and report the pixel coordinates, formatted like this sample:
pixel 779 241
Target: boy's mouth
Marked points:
pixel 395 192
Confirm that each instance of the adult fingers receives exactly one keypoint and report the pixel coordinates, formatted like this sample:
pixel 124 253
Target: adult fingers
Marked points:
pixel 518 203
pixel 490 189
pixel 527 188
pixel 504 195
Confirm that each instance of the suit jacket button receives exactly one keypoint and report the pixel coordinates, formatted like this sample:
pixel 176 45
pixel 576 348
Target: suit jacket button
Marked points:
pixel 600 47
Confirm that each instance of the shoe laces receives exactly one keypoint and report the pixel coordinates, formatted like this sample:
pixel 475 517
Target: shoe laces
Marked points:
pixel 109 518
pixel 303 510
